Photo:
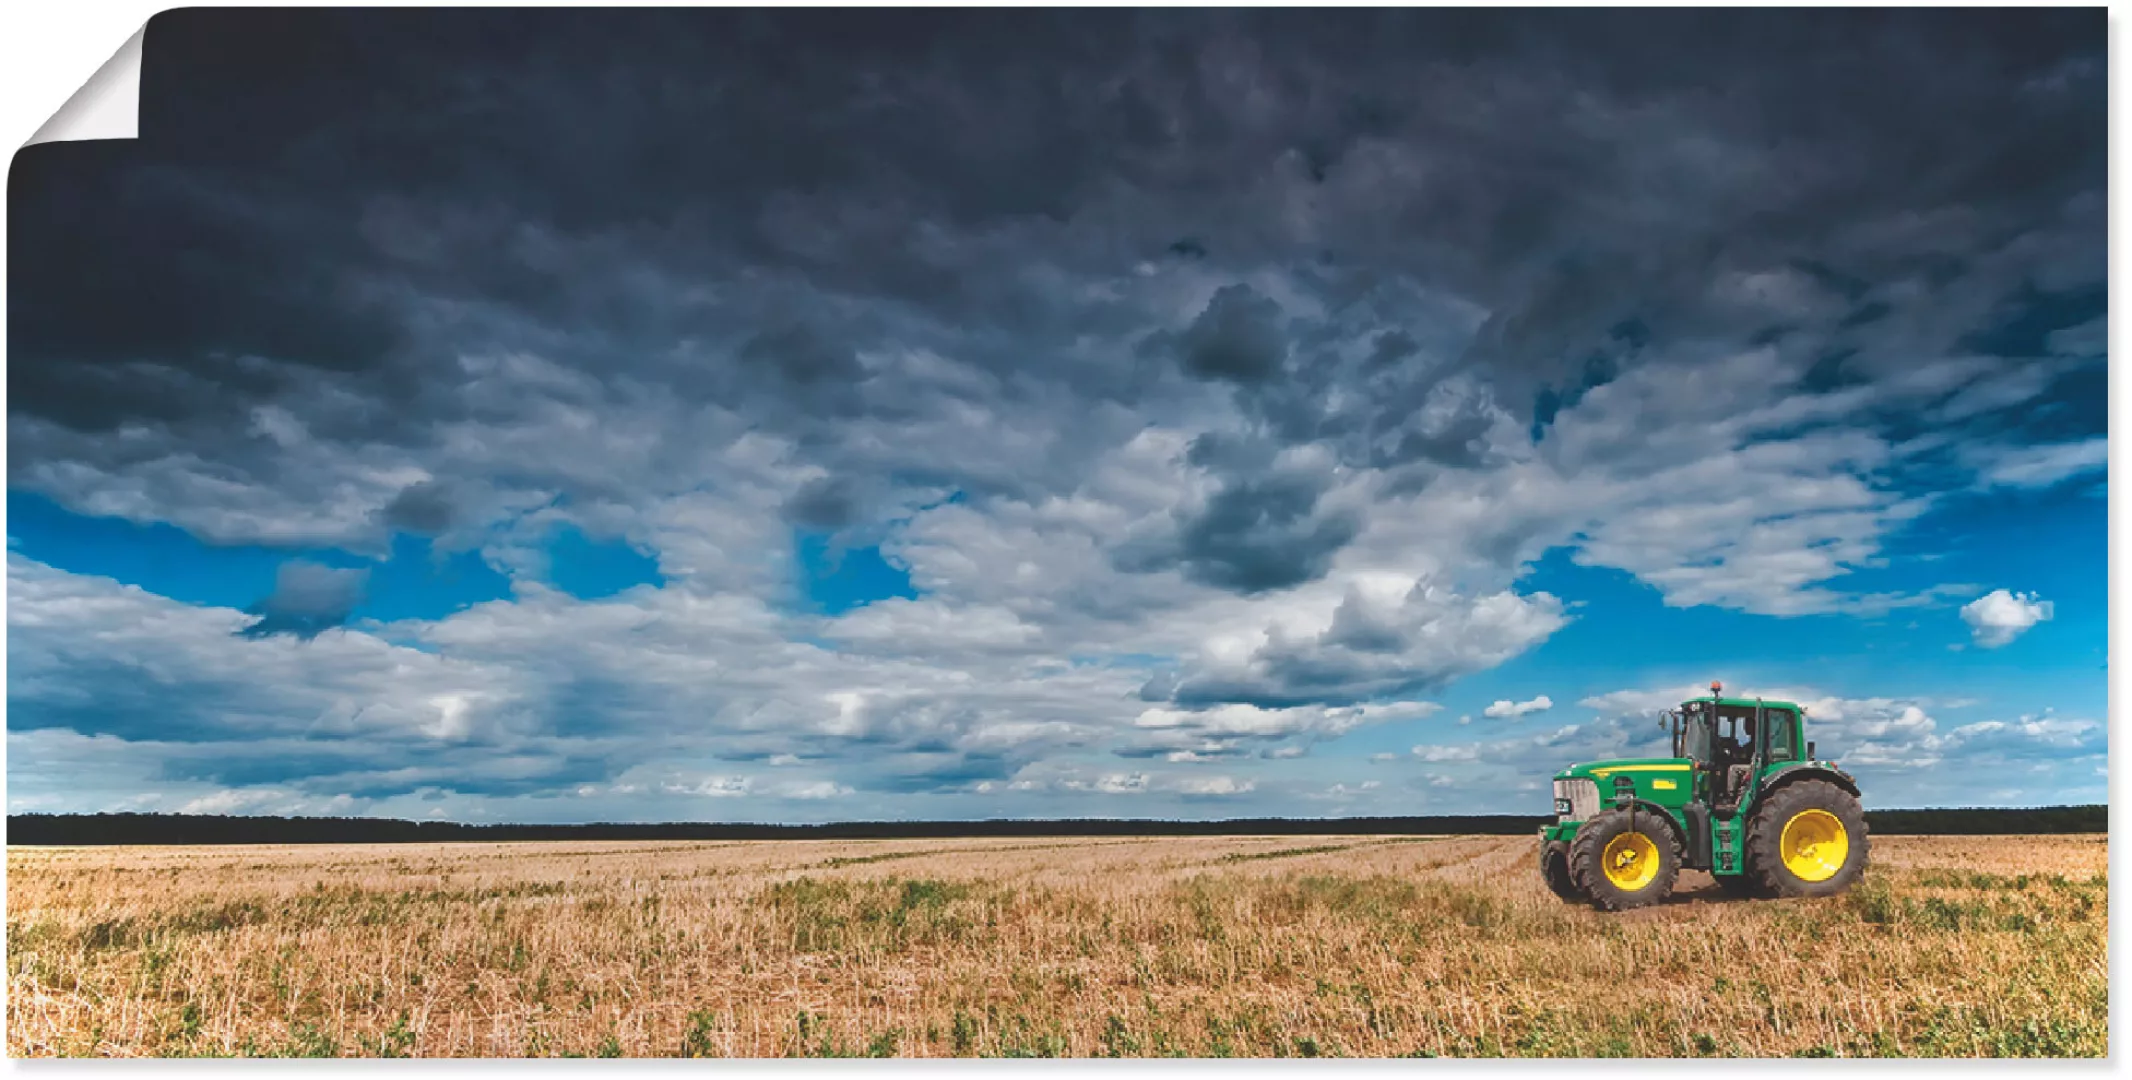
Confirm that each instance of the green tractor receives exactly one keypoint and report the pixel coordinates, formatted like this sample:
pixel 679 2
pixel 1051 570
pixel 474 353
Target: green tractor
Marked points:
pixel 1741 797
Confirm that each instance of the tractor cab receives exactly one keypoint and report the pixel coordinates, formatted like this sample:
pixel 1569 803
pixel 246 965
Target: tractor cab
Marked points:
pixel 1728 742
pixel 1741 796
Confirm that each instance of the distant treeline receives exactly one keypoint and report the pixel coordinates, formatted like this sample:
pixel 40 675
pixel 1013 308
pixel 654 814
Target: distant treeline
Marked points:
pixel 1974 821
pixel 72 830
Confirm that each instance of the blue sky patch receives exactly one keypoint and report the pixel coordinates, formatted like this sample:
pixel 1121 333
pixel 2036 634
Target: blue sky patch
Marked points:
pixel 836 579
pixel 594 569
pixel 415 581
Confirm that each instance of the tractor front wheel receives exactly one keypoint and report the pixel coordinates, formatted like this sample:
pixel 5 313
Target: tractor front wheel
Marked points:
pixel 1554 866
pixel 1620 861
pixel 1808 839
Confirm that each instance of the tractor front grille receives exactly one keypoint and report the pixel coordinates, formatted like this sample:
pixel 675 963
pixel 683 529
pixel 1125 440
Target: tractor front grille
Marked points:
pixel 1582 797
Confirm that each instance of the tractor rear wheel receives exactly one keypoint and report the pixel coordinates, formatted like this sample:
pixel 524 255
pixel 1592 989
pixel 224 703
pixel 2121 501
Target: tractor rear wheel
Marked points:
pixel 1554 866
pixel 1807 839
pixel 1621 862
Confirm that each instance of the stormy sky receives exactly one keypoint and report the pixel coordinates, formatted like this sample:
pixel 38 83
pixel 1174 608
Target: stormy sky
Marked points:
pixel 556 416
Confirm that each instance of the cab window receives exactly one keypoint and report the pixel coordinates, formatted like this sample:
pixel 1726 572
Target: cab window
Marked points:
pixel 1783 735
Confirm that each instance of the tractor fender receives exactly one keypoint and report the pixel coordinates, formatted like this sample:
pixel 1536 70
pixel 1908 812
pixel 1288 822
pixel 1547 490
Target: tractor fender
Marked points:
pixel 1809 771
pixel 1646 806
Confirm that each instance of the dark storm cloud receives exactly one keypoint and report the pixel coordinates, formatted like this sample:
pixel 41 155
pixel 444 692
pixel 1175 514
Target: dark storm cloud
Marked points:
pixel 425 509
pixel 1238 337
pixel 949 773
pixel 308 600
pixel 2023 325
pixel 1263 527
pixel 831 502
pixel 419 181
pixel 115 695
pixel 153 300
pixel 804 355
pixel 1385 230
pixel 1263 533
pixel 383 771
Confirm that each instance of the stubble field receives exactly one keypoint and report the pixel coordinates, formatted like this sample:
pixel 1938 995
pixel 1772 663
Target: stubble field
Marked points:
pixel 1196 946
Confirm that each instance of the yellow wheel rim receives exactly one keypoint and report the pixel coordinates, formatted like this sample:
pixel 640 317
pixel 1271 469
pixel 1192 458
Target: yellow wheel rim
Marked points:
pixel 1630 861
pixel 1815 845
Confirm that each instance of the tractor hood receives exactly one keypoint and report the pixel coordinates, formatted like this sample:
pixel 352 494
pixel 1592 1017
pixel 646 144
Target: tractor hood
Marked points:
pixel 1666 781
pixel 1605 770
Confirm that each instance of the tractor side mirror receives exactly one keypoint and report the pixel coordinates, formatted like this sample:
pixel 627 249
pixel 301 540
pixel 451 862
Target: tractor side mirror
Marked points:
pixel 1810 751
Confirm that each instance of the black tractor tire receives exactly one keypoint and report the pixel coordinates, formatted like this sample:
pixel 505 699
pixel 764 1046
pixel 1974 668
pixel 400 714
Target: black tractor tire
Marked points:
pixel 1554 866
pixel 1587 857
pixel 1765 839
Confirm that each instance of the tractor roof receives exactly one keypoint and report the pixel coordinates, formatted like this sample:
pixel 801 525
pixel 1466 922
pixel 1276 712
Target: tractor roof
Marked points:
pixel 1749 703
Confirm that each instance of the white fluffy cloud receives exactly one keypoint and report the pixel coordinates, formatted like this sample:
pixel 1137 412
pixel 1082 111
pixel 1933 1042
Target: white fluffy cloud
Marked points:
pixel 1198 734
pixel 2045 464
pixel 1373 635
pixel 1511 710
pixel 655 700
pixel 1998 617
pixel 100 657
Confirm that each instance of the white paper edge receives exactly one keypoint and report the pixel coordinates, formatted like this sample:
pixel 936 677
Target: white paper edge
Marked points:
pixel 108 106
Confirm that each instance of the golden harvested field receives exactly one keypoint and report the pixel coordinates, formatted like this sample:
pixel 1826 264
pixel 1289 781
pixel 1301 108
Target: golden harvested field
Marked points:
pixel 1229 946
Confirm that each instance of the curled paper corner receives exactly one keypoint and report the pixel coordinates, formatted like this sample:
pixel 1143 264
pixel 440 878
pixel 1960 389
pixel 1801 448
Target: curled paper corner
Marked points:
pixel 108 106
